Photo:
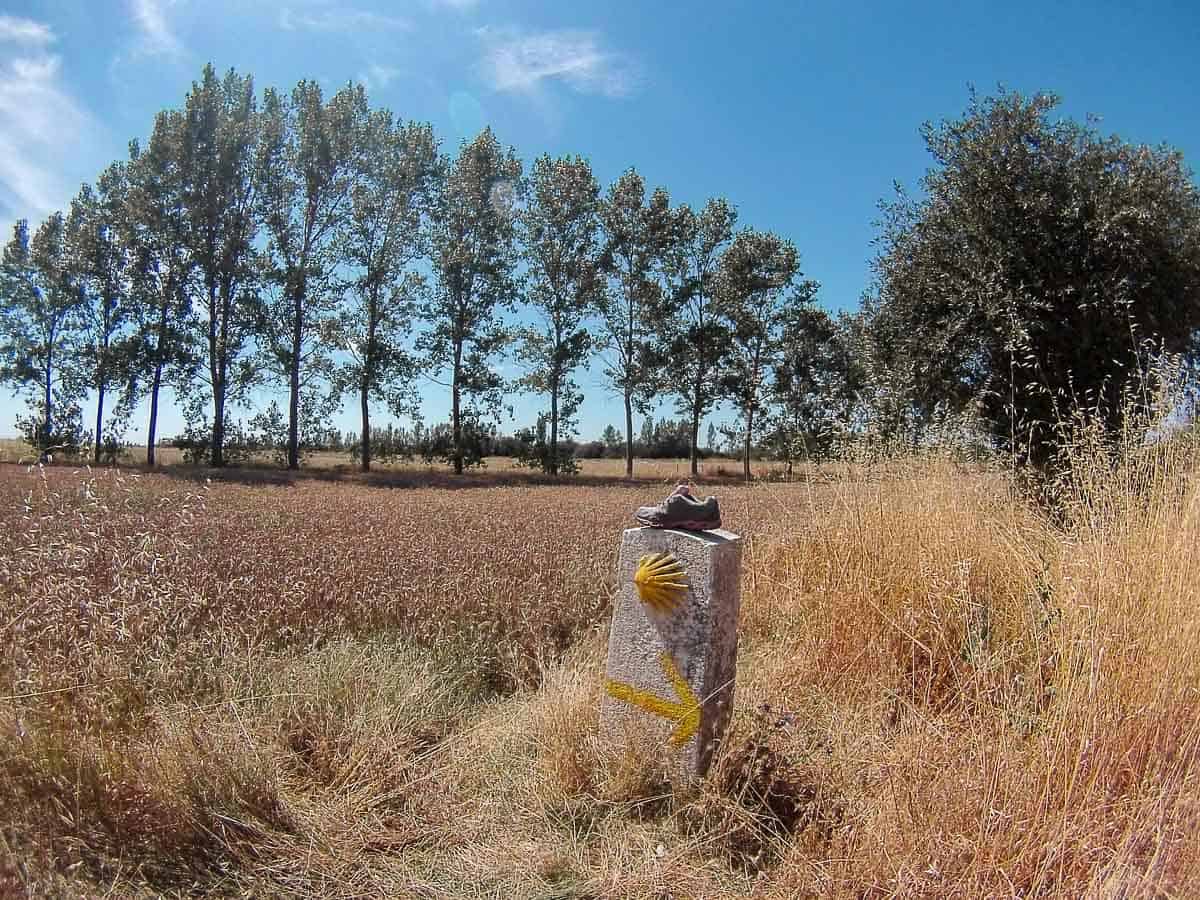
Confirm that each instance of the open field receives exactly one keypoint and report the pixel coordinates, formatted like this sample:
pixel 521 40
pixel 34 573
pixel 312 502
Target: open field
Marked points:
pixel 717 468
pixel 387 686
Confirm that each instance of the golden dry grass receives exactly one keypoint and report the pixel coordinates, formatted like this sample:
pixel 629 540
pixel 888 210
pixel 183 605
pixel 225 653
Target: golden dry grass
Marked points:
pixel 348 687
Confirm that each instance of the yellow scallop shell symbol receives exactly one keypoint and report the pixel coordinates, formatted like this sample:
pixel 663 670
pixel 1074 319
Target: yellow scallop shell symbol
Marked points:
pixel 660 581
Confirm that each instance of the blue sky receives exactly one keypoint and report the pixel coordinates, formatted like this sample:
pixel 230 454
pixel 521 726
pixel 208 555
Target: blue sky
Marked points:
pixel 802 114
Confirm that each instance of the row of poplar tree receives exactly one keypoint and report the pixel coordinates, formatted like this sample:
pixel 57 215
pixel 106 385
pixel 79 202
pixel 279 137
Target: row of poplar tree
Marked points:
pixel 329 249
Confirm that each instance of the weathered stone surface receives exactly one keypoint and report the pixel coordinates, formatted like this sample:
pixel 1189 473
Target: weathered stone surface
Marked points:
pixel 670 676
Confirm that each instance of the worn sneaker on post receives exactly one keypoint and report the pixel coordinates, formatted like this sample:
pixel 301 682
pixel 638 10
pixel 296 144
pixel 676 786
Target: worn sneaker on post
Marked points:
pixel 682 510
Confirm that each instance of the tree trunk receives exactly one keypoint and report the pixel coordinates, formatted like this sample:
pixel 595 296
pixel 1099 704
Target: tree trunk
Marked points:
pixel 366 425
pixel 293 448
pixel 628 436
pixel 749 432
pixel 150 439
pixel 218 435
pixel 455 411
pixel 102 380
pixel 216 367
pixel 154 388
pixel 48 422
pixel 554 428
pixel 696 432
pixel 99 420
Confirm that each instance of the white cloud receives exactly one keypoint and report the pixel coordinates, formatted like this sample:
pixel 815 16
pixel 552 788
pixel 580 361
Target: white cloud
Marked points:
pixel 378 76
pixel 518 61
pixel 25 31
pixel 157 37
pixel 42 132
pixel 460 5
pixel 339 19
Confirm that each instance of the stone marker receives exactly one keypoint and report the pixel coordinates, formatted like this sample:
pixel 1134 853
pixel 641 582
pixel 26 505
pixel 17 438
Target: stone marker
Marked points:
pixel 673 646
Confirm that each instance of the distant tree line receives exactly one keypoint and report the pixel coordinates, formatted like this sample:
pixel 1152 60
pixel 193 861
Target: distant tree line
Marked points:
pixel 323 249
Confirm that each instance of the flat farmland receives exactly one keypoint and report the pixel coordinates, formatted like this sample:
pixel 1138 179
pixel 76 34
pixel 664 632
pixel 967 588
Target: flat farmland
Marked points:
pixel 13 450
pixel 331 685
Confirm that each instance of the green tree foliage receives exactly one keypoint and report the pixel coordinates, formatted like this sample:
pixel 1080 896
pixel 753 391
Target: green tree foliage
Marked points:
pixel 474 260
pixel 666 439
pixel 40 321
pixel 533 450
pixel 756 271
pixel 1041 266
pixel 561 246
pixel 330 248
pixel 216 144
pixel 695 337
pixel 646 438
pixel 816 381
pixel 611 439
pixel 102 265
pixel 399 173
pixel 307 164
pixel 153 227
pixel 635 235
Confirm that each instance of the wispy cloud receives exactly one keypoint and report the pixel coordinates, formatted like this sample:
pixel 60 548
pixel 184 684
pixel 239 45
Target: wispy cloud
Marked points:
pixel 460 5
pixel 339 19
pixel 25 31
pixel 519 61
pixel 36 113
pixel 378 76
pixel 158 39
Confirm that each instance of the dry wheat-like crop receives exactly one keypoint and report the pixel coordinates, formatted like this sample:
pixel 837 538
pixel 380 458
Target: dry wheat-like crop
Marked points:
pixel 338 686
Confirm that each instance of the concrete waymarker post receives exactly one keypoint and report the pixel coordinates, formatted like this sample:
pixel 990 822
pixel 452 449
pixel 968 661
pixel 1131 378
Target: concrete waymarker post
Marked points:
pixel 673 647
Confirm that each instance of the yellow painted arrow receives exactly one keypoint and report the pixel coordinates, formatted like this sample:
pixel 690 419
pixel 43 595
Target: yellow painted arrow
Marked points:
pixel 686 712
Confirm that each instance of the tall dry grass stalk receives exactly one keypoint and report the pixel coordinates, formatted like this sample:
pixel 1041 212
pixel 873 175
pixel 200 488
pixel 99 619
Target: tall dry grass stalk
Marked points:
pixel 345 690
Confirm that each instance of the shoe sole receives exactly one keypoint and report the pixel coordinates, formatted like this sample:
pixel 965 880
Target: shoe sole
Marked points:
pixel 690 525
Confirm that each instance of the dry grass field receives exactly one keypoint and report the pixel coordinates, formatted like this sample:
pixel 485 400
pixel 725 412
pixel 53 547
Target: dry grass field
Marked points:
pixel 717 468
pixel 342 686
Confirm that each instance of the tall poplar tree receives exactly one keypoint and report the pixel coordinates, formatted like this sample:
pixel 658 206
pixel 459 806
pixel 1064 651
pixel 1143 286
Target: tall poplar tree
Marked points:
pixel 696 338
pixel 562 247
pixel 756 270
pixel 100 259
pixel 163 269
pixel 635 234
pixel 816 380
pixel 474 262
pixel 40 317
pixel 219 186
pixel 400 172
pixel 307 162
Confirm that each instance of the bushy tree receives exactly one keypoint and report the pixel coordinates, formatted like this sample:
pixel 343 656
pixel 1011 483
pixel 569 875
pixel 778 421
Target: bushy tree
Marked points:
pixel 534 450
pixel 1039 271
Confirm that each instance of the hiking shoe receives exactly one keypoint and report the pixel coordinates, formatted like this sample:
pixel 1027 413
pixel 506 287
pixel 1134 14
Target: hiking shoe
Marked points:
pixel 682 510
